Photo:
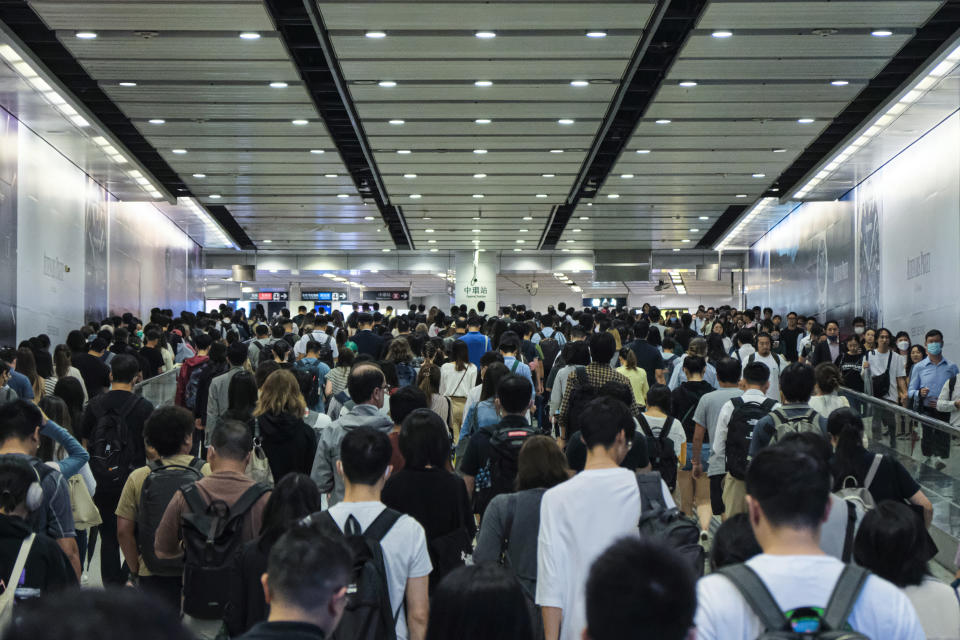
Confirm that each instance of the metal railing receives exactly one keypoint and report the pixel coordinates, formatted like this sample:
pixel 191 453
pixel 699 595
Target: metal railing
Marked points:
pixel 161 389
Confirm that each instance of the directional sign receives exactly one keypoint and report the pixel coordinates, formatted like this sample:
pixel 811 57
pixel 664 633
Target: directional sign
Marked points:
pixel 267 296
pixel 396 296
pixel 324 296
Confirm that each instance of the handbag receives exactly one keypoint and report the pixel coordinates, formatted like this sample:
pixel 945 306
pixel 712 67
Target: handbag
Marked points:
pixel 258 469
pixel 457 405
pixel 85 512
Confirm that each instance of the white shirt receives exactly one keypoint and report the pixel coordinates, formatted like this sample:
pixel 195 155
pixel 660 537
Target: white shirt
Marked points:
pixel 774 391
pixel 457 383
pixel 827 404
pixel 404 551
pixel 719 445
pixel 677 435
pixel 744 352
pixel 300 348
pixel 882 610
pixel 878 365
pixel 579 519
pixel 936 606
pixel 945 402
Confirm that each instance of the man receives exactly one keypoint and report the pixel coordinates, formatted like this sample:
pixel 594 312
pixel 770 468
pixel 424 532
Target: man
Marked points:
pixel 787 498
pixel 705 420
pixel 774 362
pixel 789 336
pixel 305 587
pixel 364 467
pixel 366 340
pixel 655 322
pixel 484 452
pixel 150 354
pixel 600 504
pixel 859 327
pixel 649 357
pixel 228 484
pixel 693 493
pixel 202 342
pixel 794 415
pixel 640 584
pixel 829 350
pixel 477 343
pixel 318 334
pixel 16 381
pixel 510 350
pixel 685 334
pixel 20 425
pixel 744 345
pixel 926 382
pixel 366 385
pixel 318 371
pixel 576 335
pixel 597 373
pixel 733 445
pixel 260 344
pixel 301 314
pixel 169 431
pixel 218 398
pixel 700 321
pixel 698 347
pixel 95 374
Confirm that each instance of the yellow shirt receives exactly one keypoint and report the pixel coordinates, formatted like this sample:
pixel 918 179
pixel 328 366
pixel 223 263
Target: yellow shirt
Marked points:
pixel 638 380
pixel 129 504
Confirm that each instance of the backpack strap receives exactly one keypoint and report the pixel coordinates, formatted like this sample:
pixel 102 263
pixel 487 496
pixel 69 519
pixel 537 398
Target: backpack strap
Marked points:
pixel 755 592
pixel 515 365
pixel 382 524
pixel 651 494
pixel 768 404
pixel 953 381
pixel 665 431
pixel 851 529
pixel 779 418
pixel 737 402
pixel 508 525
pixel 582 378
pixel 128 406
pixel 6 599
pixel 645 426
pixel 249 498
pixel 844 596
pixel 872 472
pixel 193 499
pixel 197 465
pixel 751 358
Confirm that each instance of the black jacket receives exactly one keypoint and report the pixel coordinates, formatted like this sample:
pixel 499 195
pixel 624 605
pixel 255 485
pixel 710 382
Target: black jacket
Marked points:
pixel 822 354
pixel 289 443
pixel 47 568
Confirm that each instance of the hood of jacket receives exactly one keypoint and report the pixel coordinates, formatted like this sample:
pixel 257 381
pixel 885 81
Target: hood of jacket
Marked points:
pixel 195 360
pixel 365 415
pixel 273 425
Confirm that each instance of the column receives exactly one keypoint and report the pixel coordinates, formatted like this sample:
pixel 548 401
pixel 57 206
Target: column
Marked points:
pixel 476 279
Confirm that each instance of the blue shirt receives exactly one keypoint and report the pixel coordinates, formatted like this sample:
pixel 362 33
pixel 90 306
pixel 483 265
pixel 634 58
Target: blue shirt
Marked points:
pixel 522 370
pixel 933 377
pixel 477 345
pixel 486 412
pixel 319 369
pixel 765 427
pixel 549 332
pixel 21 384
pixel 678 377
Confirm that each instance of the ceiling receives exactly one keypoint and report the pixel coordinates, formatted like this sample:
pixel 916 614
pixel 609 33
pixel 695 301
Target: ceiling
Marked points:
pixel 728 138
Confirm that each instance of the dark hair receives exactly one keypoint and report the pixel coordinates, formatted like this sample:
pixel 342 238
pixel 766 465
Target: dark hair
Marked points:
pixel 237 353
pixel 363 380
pixel 203 341
pixel 728 370
pixel 745 336
pixel 733 543
pixel 218 353
pixel 167 428
pixel 509 342
pixel 365 454
pixel 491 379
pixel 293 498
pixel 306 567
pixel 16 476
pixel 70 390
pixel 461 355
pixel 491 357
pixel 791 486
pixel 640 584
pixel 659 396
pixel 242 395
pixel 846 426
pixel 541 464
pixel 404 401
pixel 424 440
pixel 756 374
pixel 264 369
pixel 694 364
pixel 827 377
pixel 602 347
pixel 933 333
pixel 479 602
pixel 629 358
pixel 19 419
pixel 125 368
pixel 232 439
pixel 389 370
pixel 892 543
pixel 579 353
pixel 514 393
pixel 796 382
pixel 608 417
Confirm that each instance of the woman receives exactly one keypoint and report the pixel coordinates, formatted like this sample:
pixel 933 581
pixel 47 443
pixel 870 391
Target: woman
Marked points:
pixel 242 399
pixel 851 365
pixel 915 354
pixel 733 543
pixel 281 353
pixel 512 520
pixel 400 354
pixel 456 380
pixel 575 354
pixel 479 603
pixel 295 497
pixel 718 344
pixel 27 365
pixel 869 340
pixel 337 378
pixel 484 413
pixel 637 376
pixel 62 368
pixel 892 543
pixel 289 443
pixel 71 391
pixel 433 496
pixel 428 381
pixel 890 480
pixel 885 370
pixel 903 343
pixel 827 398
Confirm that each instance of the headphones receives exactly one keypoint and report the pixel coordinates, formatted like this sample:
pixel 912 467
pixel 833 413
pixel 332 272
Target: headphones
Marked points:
pixel 34 493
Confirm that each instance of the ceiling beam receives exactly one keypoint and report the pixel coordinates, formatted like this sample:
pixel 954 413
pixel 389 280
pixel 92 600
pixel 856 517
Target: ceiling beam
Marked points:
pixel 670 24
pixel 306 39
pixel 43 44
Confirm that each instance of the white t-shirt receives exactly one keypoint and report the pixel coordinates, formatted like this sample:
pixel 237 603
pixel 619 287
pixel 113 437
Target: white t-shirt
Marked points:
pixel 898 369
pixel 457 383
pixel 882 610
pixel 579 519
pixel 677 435
pixel 404 551
pixel 300 348
pixel 774 391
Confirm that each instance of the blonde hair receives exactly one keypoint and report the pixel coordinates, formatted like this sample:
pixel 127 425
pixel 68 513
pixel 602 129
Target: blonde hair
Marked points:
pixel 280 394
pixel 616 337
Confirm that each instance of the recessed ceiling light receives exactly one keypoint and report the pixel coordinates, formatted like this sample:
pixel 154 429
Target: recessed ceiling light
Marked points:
pixel 596 34
pixel 541 195
pixel 565 121
pixel 579 83
pixel 584 217
pixel 278 85
pixel 722 34
pixel 415 196
pixel 879 33
pixel 387 83
pixel 685 240
pixel 676 249
pixel 805 120
pixel 478 195
pixel 199 175
pixel 613 195
pixel 250 35
pixel 839 83
pixel 694 230
pixel 86 35
pixel 548 175
pixel 741 195
pixel 157 121
pixel 396 122
pixel 409 176
pixel 403 152
pixel 485 35
pixel 524 230
pixel 475 218
pixel 577 230
pixel 483 83
pixel 565 250
pixel 178 151
pixel 434 250
pixel 664 121
pixel 518 249
pixel 480 151
pixel 428 230
pixel 704 217
pixel 475 230
pixel 299 122
pixel 215 196
pixel 343 195
pixel 556 150
pixel 519 241
pixel 759 175
pixel 266 241
pixel 375 34
pixel 385 250
pixel 688 83
pixel 317 151
pixel 127 84
pixel 432 241
pixel 528 217
pixel 479 175
pixel 368 218
pixel 570 241
pixel 329 175
pixel 642 151
pixel 482 120
pixel 779 150
pixel 589 204
pixel 626 176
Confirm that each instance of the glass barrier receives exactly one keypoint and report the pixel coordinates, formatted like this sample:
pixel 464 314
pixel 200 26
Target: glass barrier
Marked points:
pixel 930 451
pixel 160 390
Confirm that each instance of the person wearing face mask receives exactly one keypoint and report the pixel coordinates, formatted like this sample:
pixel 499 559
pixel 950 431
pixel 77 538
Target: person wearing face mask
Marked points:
pixel 926 382
pixel 830 350
pixel 885 370
pixel 903 344
pixel 859 327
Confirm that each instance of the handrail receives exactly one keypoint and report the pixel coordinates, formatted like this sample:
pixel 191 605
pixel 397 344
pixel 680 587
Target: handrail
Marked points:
pixel 156 379
pixel 895 408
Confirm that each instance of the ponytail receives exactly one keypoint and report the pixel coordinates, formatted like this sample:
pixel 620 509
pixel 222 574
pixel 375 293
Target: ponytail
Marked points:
pixel 846 426
pixel 629 357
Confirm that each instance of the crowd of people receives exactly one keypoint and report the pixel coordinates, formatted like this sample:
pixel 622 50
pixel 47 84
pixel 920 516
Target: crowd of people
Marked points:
pixel 522 475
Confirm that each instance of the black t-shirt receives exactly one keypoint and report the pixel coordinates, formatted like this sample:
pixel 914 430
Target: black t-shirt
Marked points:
pixel 636 458
pixel 683 336
pixel 479 451
pixel 648 358
pixel 436 498
pixel 95 374
pixel 154 361
pixel 852 371
pixel 284 631
pixel 368 342
pixel 529 351
pixel 892 482
pixel 47 568
pixel 788 338
pixel 686 397
pixel 114 400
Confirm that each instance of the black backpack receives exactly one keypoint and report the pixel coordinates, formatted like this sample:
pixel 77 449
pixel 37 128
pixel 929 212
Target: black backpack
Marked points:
pixel 805 623
pixel 549 349
pixel 663 457
pixel 158 490
pixel 368 614
pixel 740 433
pixel 212 538
pixel 313 395
pixel 193 385
pixel 326 351
pixel 505 444
pixel 111 452
pixel 675 529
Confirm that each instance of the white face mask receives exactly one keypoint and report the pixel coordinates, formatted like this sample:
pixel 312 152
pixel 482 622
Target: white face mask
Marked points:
pixel 859 330
pixel 903 345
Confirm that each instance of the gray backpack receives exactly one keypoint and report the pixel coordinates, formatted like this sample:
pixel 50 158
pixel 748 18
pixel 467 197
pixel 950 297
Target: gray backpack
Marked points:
pixel 158 490
pixel 782 425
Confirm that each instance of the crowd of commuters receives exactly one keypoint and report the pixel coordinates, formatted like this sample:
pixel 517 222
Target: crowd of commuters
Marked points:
pixel 417 474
